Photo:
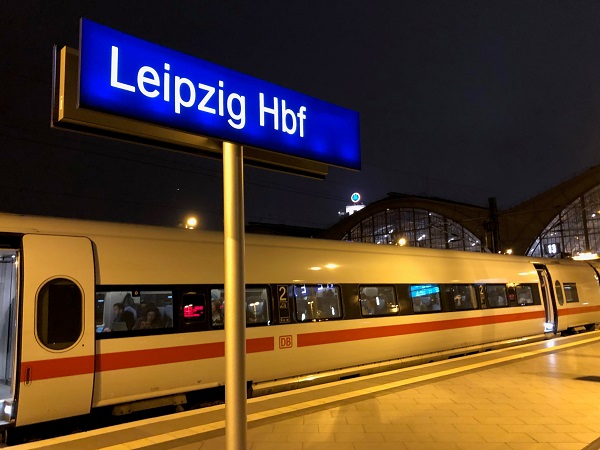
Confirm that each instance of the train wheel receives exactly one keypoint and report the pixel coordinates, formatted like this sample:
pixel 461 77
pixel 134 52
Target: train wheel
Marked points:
pixel 13 436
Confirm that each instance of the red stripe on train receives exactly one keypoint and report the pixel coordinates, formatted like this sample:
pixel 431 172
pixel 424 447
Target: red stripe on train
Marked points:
pixel 156 356
pixel 578 310
pixel 64 367
pixel 170 355
pixel 331 337
pixel 56 368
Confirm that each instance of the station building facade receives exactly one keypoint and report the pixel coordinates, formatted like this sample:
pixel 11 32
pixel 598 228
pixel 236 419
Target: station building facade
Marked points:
pixel 563 221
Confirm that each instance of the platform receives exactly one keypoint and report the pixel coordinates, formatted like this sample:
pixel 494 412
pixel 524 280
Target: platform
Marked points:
pixel 544 395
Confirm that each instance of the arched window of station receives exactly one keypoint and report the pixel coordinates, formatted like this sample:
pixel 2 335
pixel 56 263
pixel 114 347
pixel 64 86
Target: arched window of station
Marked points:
pixel 575 231
pixel 417 228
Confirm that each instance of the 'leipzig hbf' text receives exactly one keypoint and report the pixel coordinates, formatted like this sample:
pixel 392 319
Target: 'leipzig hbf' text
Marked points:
pixel 183 93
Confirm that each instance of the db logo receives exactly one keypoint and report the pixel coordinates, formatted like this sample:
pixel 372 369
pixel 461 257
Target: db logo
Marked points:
pixel 286 341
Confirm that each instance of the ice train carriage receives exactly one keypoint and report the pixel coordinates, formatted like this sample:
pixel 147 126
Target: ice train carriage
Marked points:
pixel 312 306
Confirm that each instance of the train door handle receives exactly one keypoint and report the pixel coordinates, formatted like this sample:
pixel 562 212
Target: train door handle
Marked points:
pixel 28 376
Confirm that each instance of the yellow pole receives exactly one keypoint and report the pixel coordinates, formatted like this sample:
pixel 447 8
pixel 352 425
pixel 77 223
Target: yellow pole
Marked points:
pixel 235 298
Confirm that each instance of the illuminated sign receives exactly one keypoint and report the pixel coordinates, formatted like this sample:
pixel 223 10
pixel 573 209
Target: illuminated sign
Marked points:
pixel 193 311
pixel 126 76
pixel 422 290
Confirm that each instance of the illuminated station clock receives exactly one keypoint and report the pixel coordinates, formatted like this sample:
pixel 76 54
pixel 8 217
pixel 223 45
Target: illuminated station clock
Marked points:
pixel 356 204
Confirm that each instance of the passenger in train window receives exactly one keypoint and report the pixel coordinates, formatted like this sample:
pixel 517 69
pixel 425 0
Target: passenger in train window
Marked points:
pixel 367 305
pixel 524 295
pixel 129 305
pixel 496 295
pixel 425 297
pixel 431 303
pixel 327 305
pixel 464 297
pixel 217 312
pixel 366 295
pixel 511 295
pixel 378 301
pixel 312 312
pixel 459 302
pixel 121 316
pixel 256 311
pixel 151 319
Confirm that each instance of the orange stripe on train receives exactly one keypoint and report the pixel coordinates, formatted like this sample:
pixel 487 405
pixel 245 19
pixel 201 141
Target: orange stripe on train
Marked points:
pixel 56 368
pixel 332 337
pixel 579 310
pixel 64 367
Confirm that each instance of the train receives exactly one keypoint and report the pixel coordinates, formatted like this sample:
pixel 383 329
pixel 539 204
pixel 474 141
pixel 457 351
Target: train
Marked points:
pixel 121 317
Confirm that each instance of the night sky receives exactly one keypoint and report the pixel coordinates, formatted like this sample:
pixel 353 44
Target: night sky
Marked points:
pixel 459 100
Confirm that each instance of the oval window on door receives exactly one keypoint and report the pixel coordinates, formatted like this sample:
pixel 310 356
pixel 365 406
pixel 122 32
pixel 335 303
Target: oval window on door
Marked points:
pixel 559 293
pixel 59 321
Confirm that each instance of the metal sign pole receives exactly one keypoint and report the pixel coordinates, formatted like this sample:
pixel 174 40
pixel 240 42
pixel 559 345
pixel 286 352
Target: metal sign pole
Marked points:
pixel 235 294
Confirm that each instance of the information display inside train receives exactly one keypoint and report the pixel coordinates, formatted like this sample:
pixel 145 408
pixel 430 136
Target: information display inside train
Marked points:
pixel 126 76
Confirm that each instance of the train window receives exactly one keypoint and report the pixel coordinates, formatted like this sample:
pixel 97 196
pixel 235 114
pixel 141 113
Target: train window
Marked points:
pixel 257 306
pixel 133 310
pixel 559 294
pixel 482 297
pixel 496 295
pixel 217 300
pixel 59 318
pixel 425 297
pixel 511 294
pixel 378 301
pixel 571 294
pixel 193 307
pixel 317 302
pixel 525 295
pixel 462 296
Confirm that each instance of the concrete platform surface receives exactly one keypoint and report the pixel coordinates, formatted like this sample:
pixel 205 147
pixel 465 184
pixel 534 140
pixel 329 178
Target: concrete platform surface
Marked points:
pixel 539 396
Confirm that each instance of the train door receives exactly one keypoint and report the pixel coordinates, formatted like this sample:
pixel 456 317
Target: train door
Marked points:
pixel 56 360
pixel 8 294
pixel 551 324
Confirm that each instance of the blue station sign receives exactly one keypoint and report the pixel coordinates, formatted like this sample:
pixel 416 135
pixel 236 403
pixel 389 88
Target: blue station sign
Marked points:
pixel 126 76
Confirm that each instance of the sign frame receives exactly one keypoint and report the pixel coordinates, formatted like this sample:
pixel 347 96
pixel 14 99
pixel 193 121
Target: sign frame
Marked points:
pixel 66 114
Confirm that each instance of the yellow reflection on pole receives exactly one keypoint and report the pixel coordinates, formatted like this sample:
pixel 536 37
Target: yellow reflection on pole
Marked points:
pixel 235 292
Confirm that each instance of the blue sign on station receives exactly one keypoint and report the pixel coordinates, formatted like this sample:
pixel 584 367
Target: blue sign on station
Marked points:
pixel 126 76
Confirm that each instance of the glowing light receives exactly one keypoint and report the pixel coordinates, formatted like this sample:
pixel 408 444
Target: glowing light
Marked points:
pixel 524 274
pixel 331 266
pixel 509 251
pixel 402 242
pixel 191 223
pixel 315 268
pixel 585 256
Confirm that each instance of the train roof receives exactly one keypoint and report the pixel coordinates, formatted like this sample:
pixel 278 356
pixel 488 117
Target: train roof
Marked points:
pixel 29 224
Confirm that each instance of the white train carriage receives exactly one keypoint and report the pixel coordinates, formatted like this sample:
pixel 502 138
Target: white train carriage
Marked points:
pixel 106 315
